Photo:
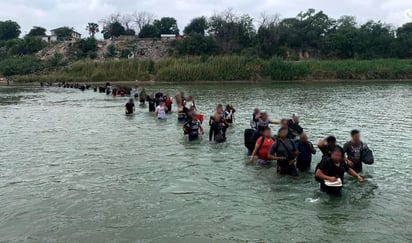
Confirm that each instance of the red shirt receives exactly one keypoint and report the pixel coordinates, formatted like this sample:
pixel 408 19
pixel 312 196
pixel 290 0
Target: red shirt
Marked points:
pixel 264 148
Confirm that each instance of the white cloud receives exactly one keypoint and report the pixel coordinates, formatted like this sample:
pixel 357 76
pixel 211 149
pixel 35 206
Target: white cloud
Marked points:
pixel 77 13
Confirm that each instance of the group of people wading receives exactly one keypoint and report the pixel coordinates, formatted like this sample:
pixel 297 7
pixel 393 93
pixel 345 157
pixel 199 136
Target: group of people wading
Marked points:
pixel 289 148
pixel 187 114
pixel 292 151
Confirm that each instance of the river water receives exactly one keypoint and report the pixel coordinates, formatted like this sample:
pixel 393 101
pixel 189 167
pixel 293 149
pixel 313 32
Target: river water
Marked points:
pixel 73 168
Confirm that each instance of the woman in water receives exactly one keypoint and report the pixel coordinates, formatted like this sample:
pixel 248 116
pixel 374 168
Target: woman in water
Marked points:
pixel 160 112
pixel 262 148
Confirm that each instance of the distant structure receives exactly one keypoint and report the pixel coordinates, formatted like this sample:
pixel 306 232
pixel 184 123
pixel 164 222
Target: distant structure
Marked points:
pixel 49 38
pixel 74 36
pixel 168 36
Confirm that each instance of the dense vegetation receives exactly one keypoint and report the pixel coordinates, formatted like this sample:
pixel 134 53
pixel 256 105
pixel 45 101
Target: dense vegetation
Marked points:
pixel 225 46
pixel 226 68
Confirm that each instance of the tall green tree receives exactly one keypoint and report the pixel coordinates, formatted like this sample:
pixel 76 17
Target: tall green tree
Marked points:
pixel 197 25
pixel 268 37
pixel 9 30
pixel 113 30
pixel 403 43
pixel 167 25
pixel 37 31
pixel 149 31
pixel 196 44
pixel 26 46
pixel 232 32
pixel 93 28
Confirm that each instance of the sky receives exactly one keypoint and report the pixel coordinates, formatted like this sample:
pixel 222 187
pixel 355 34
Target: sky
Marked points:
pixel 77 13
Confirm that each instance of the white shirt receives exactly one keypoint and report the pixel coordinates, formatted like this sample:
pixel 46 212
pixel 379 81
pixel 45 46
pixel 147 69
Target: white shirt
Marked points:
pixel 161 112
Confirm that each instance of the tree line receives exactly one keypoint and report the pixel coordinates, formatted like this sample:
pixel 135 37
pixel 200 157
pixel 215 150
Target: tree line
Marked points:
pixel 228 32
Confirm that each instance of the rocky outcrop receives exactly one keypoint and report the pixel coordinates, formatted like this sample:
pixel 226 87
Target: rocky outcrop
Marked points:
pixel 124 48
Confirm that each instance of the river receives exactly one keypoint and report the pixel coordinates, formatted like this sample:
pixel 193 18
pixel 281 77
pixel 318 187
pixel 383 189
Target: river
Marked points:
pixel 74 168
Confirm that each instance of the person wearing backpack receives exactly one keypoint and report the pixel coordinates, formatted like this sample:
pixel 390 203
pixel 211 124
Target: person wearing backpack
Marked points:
pixel 305 150
pixel 356 152
pixel 262 148
pixel 295 130
pixel 284 152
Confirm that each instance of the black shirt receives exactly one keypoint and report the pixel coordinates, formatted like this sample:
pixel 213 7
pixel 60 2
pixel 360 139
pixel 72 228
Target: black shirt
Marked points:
pixel 328 167
pixel 129 107
pixel 152 106
pixel 294 128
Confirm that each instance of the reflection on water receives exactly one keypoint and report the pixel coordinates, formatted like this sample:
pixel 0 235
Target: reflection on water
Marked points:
pixel 74 168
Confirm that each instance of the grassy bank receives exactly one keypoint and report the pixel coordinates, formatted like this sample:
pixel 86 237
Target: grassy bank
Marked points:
pixel 226 68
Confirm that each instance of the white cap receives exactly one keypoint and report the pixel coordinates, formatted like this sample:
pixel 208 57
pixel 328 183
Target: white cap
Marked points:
pixel 295 114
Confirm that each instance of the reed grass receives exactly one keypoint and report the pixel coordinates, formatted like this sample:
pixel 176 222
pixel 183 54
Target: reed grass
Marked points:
pixel 226 68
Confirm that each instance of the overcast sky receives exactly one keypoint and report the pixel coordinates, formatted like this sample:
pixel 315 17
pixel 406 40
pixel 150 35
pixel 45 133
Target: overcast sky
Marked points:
pixel 77 13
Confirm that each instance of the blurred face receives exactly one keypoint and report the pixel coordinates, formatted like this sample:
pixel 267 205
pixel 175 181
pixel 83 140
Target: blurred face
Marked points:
pixel 284 124
pixel 356 138
pixel 219 109
pixel 267 133
pixel 264 116
pixel 283 133
pixel 336 156
pixel 303 138
pixel 332 144
pixel 295 118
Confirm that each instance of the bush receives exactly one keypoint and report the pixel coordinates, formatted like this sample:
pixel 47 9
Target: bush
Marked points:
pixel 87 48
pixel 20 66
pixel 281 70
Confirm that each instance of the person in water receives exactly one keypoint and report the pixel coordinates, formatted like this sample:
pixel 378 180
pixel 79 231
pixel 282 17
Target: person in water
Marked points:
pixel 221 114
pixel 353 150
pixel 333 168
pixel 160 112
pixel 264 120
pixel 229 114
pixel 217 129
pixel 182 112
pixel 262 148
pixel 142 95
pixel 129 107
pixel 254 119
pixel 193 127
pixel 190 103
pixel 152 103
pixel 168 103
pixel 327 145
pixel 305 150
pixel 284 152
pixel 293 125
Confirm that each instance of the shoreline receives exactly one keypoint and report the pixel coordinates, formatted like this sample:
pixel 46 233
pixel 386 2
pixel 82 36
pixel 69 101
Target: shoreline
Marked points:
pixel 311 81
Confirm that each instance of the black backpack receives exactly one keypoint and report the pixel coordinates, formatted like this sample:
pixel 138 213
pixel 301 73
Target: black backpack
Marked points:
pixel 366 155
pixel 247 138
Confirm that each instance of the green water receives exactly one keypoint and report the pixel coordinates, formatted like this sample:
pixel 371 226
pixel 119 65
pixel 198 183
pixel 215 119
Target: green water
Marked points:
pixel 73 168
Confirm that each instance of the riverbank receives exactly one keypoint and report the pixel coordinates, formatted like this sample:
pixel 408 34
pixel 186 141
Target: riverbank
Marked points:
pixel 237 69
